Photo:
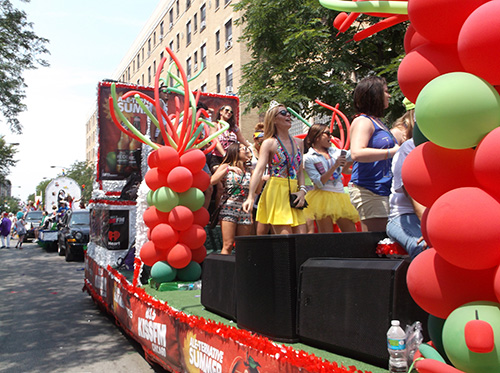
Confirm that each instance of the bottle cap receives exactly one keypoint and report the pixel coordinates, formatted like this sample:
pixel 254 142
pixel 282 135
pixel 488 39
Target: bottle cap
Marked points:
pixel 395 322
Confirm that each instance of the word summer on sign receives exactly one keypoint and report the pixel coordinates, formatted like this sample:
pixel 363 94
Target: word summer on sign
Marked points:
pixel 205 357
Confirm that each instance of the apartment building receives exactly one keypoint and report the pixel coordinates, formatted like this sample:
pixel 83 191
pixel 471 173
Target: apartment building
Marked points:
pixel 204 36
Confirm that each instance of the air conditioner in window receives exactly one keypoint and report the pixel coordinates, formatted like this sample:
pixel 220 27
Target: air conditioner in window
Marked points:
pixel 229 89
pixel 229 43
pixel 195 67
pixel 171 24
pixel 203 24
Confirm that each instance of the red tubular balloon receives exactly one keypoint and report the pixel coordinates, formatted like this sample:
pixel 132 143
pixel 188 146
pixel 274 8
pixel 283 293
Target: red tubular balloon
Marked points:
pixel 434 366
pixel 344 118
pixel 348 21
pixel 157 99
pixel 382 25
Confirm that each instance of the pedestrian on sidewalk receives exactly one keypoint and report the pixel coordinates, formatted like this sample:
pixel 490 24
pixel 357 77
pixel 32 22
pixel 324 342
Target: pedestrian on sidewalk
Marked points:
pixel 21 232
pixel 5 226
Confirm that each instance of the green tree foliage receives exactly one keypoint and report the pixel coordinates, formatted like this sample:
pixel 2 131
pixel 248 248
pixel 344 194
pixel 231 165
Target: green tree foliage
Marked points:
pixel 20 50
pixel 7 154
pixel 297 57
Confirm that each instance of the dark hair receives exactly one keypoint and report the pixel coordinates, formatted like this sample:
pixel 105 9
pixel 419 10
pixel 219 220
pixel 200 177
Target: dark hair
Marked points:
pixel 369 96
pixel 232 153
pixel 314 132
pixel 231 121
pixel 201 105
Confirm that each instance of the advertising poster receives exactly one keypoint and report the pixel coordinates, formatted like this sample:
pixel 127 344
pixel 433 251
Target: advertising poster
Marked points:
pixel 119 155
pixel 118 234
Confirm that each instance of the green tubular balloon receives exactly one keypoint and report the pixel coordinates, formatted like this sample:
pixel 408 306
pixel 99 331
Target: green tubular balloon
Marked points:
pixel 392 7
pixel 430 353
pixel 296 115
pixel 213 136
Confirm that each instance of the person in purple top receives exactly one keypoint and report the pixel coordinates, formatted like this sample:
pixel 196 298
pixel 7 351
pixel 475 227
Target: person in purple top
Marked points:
pixel 372 149
pixel 5 226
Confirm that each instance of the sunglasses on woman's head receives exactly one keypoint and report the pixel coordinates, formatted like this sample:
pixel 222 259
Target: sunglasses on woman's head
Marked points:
pixel 283 112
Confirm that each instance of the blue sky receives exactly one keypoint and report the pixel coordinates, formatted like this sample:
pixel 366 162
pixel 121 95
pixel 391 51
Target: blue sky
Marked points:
pixel 88 39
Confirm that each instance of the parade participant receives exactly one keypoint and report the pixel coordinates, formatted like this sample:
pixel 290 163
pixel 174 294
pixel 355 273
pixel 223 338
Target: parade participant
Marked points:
pixel 372 149
pixel 21 231
pixel 5 227
pixel 286 184
pixel 401 126
pixel 328 202
pixel 235 175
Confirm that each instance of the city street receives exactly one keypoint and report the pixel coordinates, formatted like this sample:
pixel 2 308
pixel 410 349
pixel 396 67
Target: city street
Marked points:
pixel 47 324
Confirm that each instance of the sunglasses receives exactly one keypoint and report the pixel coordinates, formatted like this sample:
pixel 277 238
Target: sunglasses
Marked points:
pixel 228 111
pixel 328 133
pixel 283 112
pixel 164 90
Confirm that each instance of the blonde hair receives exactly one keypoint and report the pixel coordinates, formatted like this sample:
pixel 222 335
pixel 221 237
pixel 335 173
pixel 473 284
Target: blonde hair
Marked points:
pixel 405 124
pixel 269 126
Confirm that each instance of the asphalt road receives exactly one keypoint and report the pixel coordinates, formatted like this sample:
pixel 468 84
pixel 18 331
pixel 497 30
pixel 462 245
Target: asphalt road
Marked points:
pixel 47 324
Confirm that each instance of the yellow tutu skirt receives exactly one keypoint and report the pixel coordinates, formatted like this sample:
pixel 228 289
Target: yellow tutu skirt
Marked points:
pixel 274 204
pixel 324 204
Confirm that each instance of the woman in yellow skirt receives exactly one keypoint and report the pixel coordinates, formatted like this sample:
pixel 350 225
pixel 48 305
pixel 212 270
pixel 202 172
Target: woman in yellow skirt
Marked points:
pixel 324 164
pixel 283 154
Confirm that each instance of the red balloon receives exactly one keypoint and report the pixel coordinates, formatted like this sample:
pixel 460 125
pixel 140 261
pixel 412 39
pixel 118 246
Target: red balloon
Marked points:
pixel 168 158
pixel 463 227
pixel 439 287
pixel 199 254
pixel 201 216
pixel 152 217
pixel 164 236
pixel 153 159
pixel 496 284
pixel 478 42
pixel 179 256
pixel 180 179
pixel 194 160
pixel 148 254
pixel 423 227
pixel 430 171
pixel 155 178
pixel 425 63
pixel 339 19
pixel 487 163
pixel 413 39
pixel 434 366
pixel 201 180
pixel 181 218
pixel 193 237
pixel 439 21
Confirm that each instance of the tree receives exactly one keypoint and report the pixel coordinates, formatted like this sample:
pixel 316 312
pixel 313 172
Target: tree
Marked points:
pixel 7 154
pixel 297 58
pixel 20 49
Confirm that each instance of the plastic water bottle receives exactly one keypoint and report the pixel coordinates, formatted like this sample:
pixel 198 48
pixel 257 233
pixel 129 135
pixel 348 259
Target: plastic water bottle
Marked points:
pixel 396 345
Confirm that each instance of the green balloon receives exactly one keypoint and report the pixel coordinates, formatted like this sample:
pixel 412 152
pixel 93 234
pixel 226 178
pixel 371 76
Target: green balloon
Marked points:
pixel 192 272
pixel 457 110
pixel 163 272
pixel 435 329
pixel 150 198
pixel 193 199
pixel 454 338
pixel 418 136
pixel 165 199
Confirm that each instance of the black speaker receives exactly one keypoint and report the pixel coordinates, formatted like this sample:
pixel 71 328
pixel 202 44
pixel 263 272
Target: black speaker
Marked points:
pixel 267 269
pixel 219 285
pixel 346 305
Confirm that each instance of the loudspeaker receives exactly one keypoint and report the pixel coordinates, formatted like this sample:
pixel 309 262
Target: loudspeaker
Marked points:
pixel 219 285
pixel 267 269
pixel 346 305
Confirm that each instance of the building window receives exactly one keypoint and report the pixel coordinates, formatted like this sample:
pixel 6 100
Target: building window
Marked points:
pixel 226 2
pixel 178 44
pixel 177 8
pixel 203 87
pixel 217 83
pixel 229 79
pixel 138 82
pixel 149 47
pixel 142 79
pixel 229 34
pixel 188 33
pixel 128 73
pixel 195 61
pixel 162 30
pixel 171 18
pixel 203 17
pixel 154 67
pixel 171 46
pixel 142 57
pixel 133 65
pixel 203 53
pixel 154 38
pixel 188 68
pixel 217 4
pixel 138 61
pixel 149 75
pixel 217 41
pixel 195 22
pixel 188 4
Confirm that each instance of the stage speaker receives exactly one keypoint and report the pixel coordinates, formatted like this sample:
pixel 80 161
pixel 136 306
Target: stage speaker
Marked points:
pixel 219 285
pixel 346 305
pixel 267 269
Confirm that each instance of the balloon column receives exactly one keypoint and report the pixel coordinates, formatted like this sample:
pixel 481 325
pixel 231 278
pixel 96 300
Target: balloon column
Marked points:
pixel 450 72
pixel 175 217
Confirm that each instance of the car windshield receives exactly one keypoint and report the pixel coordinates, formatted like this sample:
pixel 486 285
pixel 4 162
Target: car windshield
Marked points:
pixel 80 219
pixel 34 215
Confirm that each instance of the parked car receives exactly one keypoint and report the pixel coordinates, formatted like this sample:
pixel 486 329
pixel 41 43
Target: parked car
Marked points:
pixel 73 234
pixel 32 220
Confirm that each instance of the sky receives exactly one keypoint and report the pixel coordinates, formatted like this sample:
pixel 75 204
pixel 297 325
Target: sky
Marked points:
pixel 88 40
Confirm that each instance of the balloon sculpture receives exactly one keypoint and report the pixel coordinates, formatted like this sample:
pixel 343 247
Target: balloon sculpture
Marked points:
pixel 175 216
pixel 450 72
